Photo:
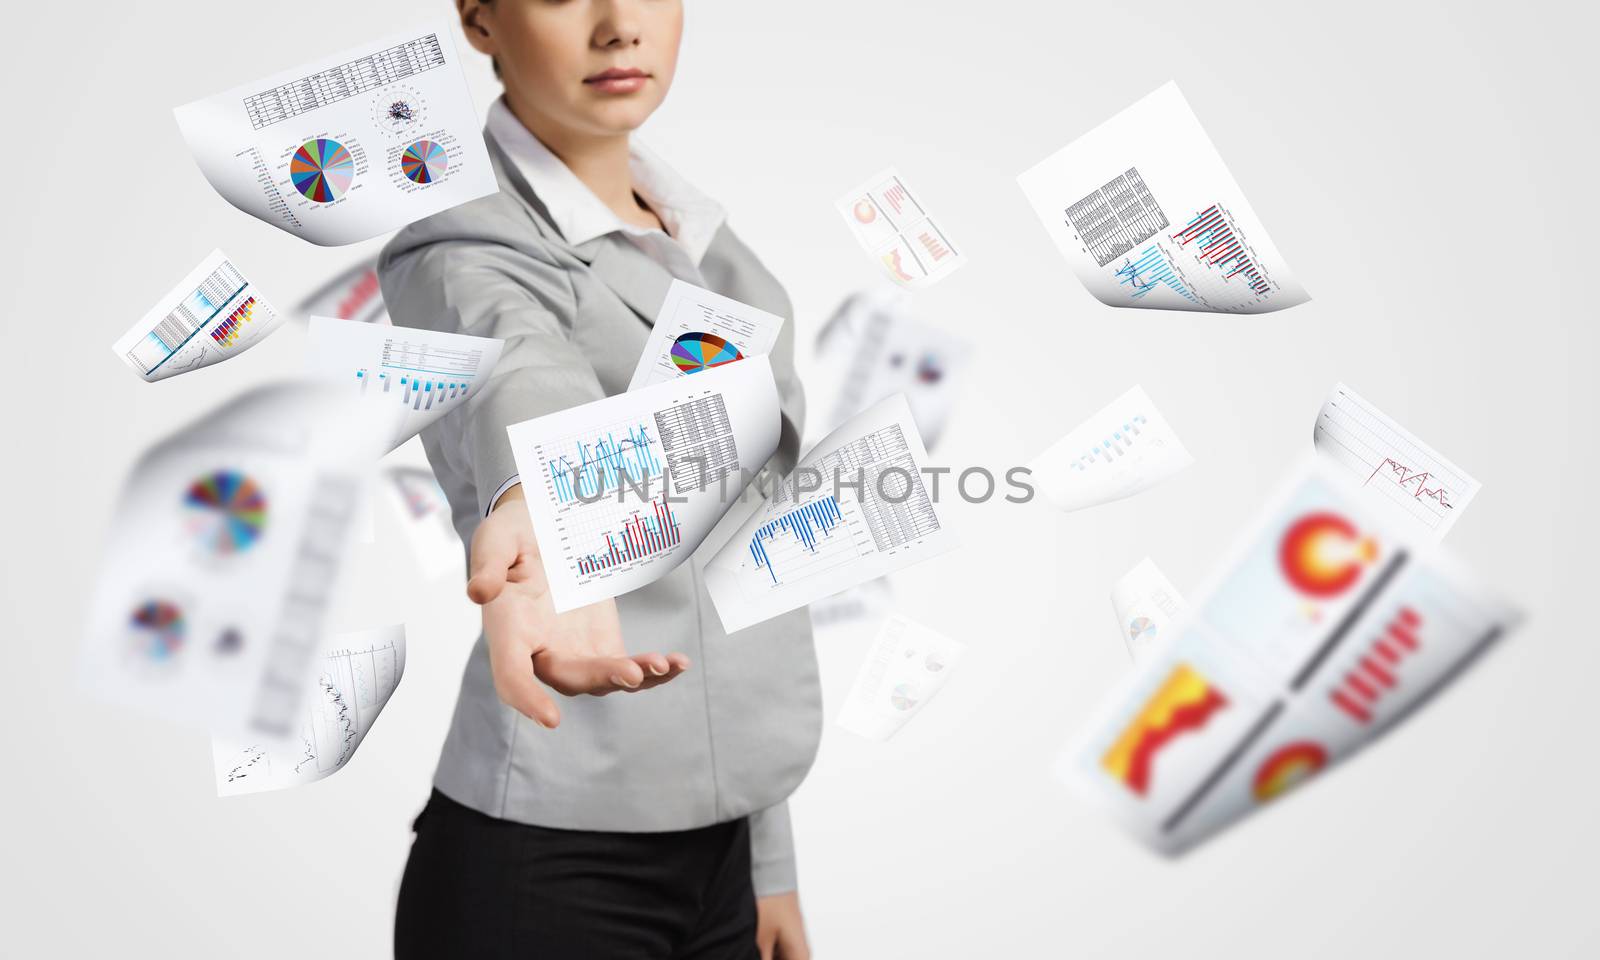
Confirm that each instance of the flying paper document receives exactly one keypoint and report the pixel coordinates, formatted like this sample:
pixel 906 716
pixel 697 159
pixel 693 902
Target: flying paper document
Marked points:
pixel 698 330
pixel 1125 449
pixel 854 509
pixel 907 665
pixel 425 518
pixel 420 374
pixel 222 556
pixel 1323 630
pixel 898 231
pixel 1147 604
pixel 876 348
pixel 352 294
pixel 212 314
pixel 623 489
pixel 353 685
pixel 1411 480
pixel 350 146
pixel 1147 215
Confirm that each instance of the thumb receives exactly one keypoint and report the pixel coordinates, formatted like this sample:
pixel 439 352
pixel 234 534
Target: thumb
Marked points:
pixel 495 547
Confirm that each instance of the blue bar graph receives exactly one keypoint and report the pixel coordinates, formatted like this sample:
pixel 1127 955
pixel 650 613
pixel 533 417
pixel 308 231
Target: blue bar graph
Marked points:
pixel 1149 271
pixel 806 524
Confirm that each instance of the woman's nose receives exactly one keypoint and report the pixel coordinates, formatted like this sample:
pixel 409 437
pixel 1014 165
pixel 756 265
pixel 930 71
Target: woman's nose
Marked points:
pixel 618 24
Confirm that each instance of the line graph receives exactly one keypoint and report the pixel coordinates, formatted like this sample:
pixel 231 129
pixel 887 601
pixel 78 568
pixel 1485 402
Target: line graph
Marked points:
pixel 599 466
pixel 1381 455
pixel 1414 482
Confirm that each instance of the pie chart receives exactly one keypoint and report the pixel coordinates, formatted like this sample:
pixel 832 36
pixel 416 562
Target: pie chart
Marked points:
pixel 158 628
pixel 424 162
pixel 227 511
pixel 903 696
pixel 696 351
pixel 1142 630
pixel 322 170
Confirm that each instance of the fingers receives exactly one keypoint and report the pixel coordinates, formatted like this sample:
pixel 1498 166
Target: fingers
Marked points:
pixel 574 675
pixel 658 669
pixel 496 546
pixel 516 685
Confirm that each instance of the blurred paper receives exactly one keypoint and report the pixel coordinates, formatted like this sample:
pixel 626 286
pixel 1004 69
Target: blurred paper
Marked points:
pixel 894 227
pixel 1147 604
pixel 1148 216
pixel 212 314
pixel 869 601
pixel 349 146
pixel 874 347
pixel 623 489
pixel 1323 630
pixel 1125 449
pixel 222 557
pixel 1417 484
pixel 697 330
pixel 421 374
pixel 352 294
pixel 854 509
pixel 354 683
pixel 425 517
pixel 906 666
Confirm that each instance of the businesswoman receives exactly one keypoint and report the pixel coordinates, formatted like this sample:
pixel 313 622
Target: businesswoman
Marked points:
pixel 565 822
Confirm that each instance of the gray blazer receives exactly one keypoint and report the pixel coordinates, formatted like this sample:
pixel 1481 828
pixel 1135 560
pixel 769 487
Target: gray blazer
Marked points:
pixel 736 734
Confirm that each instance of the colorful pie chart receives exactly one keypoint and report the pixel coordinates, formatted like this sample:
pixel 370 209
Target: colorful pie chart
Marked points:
pixel 696 351
pixel 227 511
pixel 1288 767
pixel 158 628
pixel 424 162
pixel 322 170
pixel 1322 554
pixel 1142 630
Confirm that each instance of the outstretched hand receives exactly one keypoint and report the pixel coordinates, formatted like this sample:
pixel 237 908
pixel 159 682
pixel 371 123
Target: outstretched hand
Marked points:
pixel 573 653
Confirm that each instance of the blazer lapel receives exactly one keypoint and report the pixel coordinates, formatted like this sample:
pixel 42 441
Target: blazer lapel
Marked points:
pixel 639 281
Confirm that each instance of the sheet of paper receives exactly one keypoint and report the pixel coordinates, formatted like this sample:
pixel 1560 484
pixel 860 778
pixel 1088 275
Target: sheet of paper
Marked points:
pixel 349 146
pixel 1123 450
pixel 1148 216
pixel 421 374
pixel 351 294
pixel 854 509
pixel 1409 477
pixel 1147 605
pixel 623 489
pixel 222 556
pixel 875 347
pixel 356 677
pixel 698 330
pixel 424 514
pixel 1323 630
pixel 896 228
pixel 907 665
pixel 212 314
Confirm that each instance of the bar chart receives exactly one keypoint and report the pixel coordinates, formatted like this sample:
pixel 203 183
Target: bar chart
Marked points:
pixel 642 534
pixel 1217 244
pixel 802 541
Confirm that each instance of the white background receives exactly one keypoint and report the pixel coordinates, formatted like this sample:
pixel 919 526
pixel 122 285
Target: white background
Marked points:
pixel 1426 167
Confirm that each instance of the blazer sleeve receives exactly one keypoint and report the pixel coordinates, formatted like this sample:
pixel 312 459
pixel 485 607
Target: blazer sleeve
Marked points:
pixel 491 290
pixel 772 864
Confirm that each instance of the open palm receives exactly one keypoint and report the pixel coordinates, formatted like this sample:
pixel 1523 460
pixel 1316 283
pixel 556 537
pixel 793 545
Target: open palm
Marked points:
pixel 577 652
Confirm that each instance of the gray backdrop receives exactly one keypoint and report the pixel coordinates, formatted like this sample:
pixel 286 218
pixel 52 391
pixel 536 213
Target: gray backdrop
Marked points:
pixel 1426 168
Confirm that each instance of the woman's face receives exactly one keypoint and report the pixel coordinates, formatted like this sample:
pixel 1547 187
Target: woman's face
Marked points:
pixel 588 67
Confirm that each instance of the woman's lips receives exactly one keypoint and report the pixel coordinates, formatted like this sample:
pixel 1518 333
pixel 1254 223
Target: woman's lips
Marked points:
pixel 617 80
